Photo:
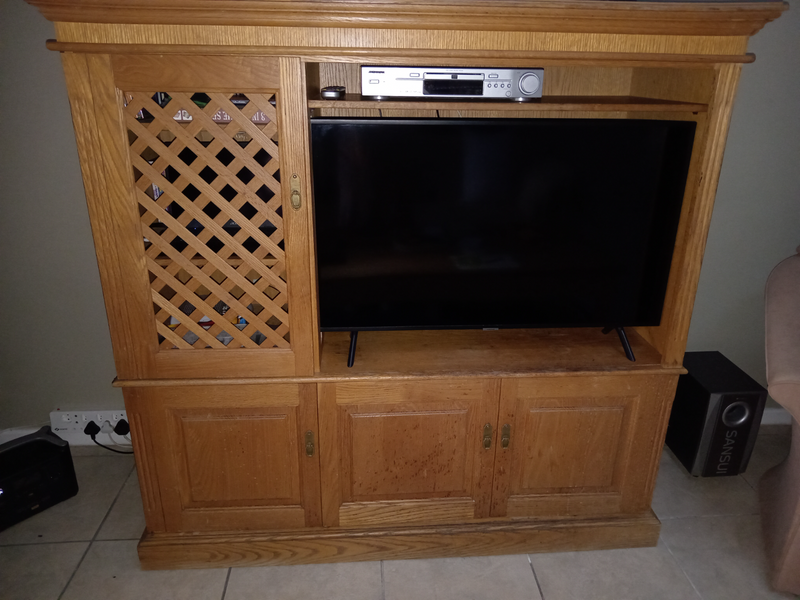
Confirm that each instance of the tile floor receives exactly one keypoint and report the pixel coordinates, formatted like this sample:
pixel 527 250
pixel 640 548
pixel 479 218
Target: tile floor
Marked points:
pixel 710 548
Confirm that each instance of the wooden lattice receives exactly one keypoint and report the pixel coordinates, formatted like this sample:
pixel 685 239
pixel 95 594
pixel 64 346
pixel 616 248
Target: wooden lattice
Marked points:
pixel 207 183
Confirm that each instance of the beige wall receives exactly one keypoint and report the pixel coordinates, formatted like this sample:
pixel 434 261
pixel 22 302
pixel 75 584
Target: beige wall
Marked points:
pixel 756 221
pixel 55 349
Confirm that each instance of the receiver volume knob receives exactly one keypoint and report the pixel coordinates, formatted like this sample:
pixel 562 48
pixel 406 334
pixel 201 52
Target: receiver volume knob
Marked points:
pixel 529 83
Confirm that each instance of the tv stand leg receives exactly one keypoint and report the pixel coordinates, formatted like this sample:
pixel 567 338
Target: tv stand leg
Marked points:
pixel 623 338
pixel 351 357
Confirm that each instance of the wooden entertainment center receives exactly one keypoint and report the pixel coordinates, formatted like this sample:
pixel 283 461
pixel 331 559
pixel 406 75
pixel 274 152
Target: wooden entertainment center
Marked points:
pixel 255 443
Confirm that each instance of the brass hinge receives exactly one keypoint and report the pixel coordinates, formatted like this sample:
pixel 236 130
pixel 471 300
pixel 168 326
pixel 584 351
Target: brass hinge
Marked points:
pixel 487 436
pixel 309 443
pixel 505 435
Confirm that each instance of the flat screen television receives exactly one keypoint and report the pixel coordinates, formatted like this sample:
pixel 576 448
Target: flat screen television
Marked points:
pixel 495 223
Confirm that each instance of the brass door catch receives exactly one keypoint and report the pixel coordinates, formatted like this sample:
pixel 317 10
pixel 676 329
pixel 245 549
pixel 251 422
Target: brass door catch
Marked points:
pixel 505 435
pixel 294 187
pixel 487 436
pixel 309 443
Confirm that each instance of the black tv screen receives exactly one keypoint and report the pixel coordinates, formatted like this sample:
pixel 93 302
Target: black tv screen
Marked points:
pixel 495 223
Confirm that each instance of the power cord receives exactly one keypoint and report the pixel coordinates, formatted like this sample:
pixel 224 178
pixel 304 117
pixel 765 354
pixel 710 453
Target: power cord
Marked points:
pixel 129 444
pixel 121 428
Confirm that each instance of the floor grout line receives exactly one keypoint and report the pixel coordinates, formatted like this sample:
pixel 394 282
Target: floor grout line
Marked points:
pixel 680 566
pixel 755 487
pixel 45 543
pixel 97 531
pixel 383 585
pixel 714 516
pixel 536 578
pixel 86 541
pixel 114 503
pixel 75 541
pixel 225 587
pixel 75 570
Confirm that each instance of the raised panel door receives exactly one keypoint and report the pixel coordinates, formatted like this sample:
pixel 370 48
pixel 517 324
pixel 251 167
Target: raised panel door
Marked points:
pixel 233 457
pixel 578 445
pixel 407 453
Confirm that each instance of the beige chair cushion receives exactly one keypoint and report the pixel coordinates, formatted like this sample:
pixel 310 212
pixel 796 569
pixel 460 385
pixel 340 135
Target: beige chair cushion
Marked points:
pixel 782 312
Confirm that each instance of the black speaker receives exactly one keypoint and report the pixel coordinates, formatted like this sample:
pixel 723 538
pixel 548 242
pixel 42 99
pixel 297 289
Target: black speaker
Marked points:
pixel 36 472
pixel 715 417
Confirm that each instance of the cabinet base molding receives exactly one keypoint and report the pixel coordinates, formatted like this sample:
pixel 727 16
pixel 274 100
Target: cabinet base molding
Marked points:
pixel 328 545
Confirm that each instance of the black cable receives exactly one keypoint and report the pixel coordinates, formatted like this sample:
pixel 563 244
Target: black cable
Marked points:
pixel 107 448
pixel 92 429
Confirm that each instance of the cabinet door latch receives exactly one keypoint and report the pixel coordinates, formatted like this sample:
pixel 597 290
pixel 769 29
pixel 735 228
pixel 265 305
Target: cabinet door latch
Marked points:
pixel 487 436
pixel 294 187
pixel 309 443
pixel 505 435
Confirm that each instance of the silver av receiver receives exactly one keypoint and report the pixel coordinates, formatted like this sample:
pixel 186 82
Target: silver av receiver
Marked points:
pixel 447 82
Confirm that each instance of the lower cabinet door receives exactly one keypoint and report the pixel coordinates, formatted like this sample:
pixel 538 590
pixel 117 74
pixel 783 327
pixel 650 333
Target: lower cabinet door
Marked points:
pixel 579 446
pixel 227 458
pixel 400 453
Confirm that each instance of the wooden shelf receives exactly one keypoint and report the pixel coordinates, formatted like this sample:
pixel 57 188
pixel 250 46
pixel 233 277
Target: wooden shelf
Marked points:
pixel 460 353
pixel 552 103
pixel 499 353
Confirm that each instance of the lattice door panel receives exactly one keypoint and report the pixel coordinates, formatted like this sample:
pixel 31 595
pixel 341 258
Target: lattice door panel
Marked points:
pixel 207 181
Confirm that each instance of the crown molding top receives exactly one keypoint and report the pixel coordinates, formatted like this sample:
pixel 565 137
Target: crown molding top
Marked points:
pixel 720 18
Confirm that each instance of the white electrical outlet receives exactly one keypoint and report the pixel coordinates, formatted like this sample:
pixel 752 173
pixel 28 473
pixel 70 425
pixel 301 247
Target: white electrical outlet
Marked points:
pixel 69 424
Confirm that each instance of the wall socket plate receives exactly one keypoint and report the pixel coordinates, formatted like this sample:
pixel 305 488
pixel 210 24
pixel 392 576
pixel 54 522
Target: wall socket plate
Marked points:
pixel 69 425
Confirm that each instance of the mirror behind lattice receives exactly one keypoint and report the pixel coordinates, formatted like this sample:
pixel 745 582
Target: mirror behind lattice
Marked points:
pixel 207 182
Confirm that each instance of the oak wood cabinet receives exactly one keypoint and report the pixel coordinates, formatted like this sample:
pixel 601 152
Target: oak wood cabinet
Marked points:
pixel 579 446
pixel 232 457
pixel 408 452
pixel 455 451
pixel 254 443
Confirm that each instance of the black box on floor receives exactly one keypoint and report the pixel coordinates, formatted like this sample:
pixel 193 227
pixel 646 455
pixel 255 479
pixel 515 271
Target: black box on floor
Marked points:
pixel 36 472
pixel 715 417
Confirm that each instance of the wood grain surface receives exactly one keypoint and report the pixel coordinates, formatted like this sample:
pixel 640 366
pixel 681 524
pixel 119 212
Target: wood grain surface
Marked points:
pixel 579 446
pixel 500 352
pixel 96 106
pixel 436 443
pixel 232 458
pixel 481 15
pixel 165 551
pixel 422 442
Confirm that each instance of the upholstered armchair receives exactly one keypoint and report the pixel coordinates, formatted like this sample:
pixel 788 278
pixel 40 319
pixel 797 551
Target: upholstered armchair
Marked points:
pixel 780 487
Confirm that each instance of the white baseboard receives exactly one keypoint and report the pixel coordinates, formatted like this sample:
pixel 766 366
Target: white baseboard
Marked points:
pixel 776 416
